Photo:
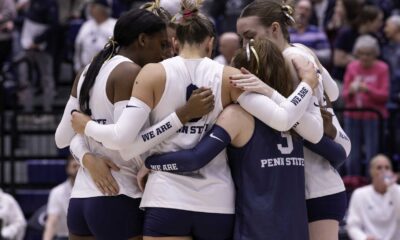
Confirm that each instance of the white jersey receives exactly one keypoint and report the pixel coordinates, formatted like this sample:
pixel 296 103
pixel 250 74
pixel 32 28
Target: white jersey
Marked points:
pixel 211 188
pixel 103 112
pixel 321 178
pixel 58 205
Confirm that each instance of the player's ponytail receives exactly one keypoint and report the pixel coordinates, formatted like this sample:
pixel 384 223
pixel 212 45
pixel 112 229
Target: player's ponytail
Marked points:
pixel 263 58
pixel 90 76
pixel 193 26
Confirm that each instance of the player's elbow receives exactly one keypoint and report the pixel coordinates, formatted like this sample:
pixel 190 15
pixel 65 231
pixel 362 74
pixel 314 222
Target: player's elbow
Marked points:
pixel 317 134
pixel 60 140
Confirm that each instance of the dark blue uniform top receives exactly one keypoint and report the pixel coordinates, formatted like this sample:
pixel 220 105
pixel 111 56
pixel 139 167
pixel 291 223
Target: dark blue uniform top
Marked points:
pixel 269 179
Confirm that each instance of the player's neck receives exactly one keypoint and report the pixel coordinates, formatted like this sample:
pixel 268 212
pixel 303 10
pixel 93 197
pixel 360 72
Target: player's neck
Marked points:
pixel 192 51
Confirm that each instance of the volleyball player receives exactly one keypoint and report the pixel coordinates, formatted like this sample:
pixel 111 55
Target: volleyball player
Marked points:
pixel 267 166
pixel 325 192
pixel 101 91
pixel 179 206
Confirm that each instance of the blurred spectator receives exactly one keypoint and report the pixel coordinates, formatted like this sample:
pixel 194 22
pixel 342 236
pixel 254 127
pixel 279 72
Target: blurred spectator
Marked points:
pixel 120 6
pixel 310 35
pixel 93 34
pixel 70 9
pixel 345 13
pixel 7 15
pixel 226 13
pixel 322 12
pixel 387 6
pixel 374 210
pixel 391 54
pixel 12 221
pixel 368 21
pixel 57 206
pixel 70 19
pixel 229 42
pixel 39 24
pixel 366 85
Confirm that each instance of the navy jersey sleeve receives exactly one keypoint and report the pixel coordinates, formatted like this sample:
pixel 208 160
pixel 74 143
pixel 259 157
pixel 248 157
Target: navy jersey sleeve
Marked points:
pixel 191 159
pixel 330 150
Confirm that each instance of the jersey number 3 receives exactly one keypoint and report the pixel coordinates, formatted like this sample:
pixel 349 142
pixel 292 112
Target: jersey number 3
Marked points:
pixel 289 142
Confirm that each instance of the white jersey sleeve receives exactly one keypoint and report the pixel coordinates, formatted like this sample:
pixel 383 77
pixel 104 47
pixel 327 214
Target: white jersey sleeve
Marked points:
pixel 123 133
pixel 330 87
pixel 281 116
pixel 65 132
pixel 310 125
pixel 152 136
pixel 341 136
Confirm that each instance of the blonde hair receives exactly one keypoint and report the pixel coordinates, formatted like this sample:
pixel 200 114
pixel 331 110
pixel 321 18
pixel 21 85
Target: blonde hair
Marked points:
pixel 193 26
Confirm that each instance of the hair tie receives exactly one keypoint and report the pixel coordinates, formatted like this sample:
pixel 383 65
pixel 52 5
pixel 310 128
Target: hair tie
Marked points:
pixel 114 44
pixel 288 12
pixel 250 49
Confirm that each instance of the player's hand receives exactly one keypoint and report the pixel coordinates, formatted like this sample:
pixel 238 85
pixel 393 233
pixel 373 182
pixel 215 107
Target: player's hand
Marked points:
pixel 251 83
pixel 142 176
pixel 306 71
pixel 200 103
pixel 79 121
pixel 329 129
pixel 100 170
pixel 371 238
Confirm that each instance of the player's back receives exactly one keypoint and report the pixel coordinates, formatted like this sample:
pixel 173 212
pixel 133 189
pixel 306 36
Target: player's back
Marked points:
pixel 102 110
pixel 190 191
pixel 269 180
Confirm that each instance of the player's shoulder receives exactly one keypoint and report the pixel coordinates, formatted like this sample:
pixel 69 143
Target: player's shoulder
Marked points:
pixel 235 113
pixel 229 71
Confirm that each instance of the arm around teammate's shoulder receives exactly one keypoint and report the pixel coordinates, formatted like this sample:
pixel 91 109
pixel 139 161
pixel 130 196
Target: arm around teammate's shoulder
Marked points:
pixel 281 117
pixel 148 87
pixel 230 127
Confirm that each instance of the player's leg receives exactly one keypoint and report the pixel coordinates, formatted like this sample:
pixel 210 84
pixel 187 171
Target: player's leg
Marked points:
pixel 213 226
pixel 324 215
pixel 114 217
pixel 324 230
pixel 167 224
pixel 77 226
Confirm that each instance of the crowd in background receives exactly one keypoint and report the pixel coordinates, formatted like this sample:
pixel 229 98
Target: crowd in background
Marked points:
pixel 358 41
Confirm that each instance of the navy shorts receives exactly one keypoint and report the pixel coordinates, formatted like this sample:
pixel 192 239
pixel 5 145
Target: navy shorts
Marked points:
pixel 166 222
pixel 331 207
pixel 111 217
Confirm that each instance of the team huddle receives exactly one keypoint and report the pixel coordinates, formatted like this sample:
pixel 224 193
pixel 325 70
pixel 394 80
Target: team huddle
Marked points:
pixel 173 145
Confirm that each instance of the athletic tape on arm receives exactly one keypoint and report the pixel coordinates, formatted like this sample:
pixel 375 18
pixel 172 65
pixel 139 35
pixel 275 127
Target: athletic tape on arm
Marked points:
pixel 65 132
pixel 123 133
pixel 192 159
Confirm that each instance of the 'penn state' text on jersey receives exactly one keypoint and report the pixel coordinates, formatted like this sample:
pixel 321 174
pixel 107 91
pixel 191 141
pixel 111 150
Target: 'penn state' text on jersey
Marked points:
pixel 268 173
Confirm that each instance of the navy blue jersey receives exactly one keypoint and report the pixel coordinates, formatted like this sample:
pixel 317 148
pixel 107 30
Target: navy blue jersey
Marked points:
pixel 269 179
